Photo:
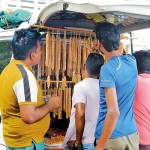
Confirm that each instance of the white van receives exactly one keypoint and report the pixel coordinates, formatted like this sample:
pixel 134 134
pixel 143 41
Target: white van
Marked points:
pixel 71 18
pixel 128 15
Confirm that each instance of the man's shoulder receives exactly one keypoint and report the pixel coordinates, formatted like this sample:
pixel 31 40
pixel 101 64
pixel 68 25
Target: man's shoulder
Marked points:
pixel 11 69
pixel 130 57
pixel 80 84
pixel 86 81
pixel 117 61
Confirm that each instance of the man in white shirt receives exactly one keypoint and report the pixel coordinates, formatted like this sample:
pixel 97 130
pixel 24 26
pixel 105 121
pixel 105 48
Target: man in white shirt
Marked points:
pixel 85 107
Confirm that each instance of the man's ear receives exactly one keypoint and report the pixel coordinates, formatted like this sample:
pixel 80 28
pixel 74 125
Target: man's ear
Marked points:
pixel 31 55
pixel 99 43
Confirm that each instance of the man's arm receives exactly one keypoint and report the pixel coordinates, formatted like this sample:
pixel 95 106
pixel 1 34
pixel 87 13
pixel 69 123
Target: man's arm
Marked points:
pixel 31 114
pixel 79 121
pixel 111 117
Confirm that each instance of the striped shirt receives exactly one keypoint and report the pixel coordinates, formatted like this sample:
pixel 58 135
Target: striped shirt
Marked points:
pixel 18 86
pixel 26 88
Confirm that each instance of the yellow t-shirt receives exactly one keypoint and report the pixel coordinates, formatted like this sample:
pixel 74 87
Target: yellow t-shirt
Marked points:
pixel 18 86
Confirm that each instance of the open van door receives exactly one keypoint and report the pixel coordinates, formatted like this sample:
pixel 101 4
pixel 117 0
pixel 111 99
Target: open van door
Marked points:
pixel 127 15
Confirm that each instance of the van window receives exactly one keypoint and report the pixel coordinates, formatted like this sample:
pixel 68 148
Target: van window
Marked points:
pixel 5 53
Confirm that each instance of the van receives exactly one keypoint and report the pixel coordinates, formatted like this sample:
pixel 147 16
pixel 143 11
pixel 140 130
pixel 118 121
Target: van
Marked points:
pixel 127 15
pixel 63 23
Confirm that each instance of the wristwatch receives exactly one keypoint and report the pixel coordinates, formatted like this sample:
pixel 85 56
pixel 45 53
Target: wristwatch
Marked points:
pixel 78 146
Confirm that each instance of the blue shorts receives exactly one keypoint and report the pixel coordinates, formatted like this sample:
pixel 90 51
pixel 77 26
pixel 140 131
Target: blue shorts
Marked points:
pixel 34 146
pixel 88 146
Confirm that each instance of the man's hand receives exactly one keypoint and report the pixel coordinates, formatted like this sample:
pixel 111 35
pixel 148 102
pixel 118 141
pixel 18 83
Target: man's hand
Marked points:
pixel 70 144
pixel 98 146
pixel 55 102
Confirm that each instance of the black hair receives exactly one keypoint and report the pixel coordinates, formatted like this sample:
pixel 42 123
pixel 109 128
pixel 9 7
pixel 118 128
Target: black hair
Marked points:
pixel 108 34
pixel 93 63
pixel 143 61
pixel 24 42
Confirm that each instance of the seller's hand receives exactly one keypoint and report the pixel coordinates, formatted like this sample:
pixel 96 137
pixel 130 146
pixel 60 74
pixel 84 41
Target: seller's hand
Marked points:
pixel 55 102
pixel 70 144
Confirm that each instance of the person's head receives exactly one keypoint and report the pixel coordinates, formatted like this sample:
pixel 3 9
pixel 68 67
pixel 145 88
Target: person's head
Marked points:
pixel 93 64
pixel 25 42
pixel 142 60
pixel 108 35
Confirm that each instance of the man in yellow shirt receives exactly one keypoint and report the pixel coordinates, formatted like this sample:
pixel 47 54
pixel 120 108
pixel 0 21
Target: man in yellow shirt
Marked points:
pixel 25 115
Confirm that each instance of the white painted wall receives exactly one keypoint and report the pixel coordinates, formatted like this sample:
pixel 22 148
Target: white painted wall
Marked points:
pixel 143 39
pixel 34 5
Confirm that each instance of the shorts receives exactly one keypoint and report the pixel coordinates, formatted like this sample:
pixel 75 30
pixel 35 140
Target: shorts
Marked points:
pixel 34 146
pixel 130 142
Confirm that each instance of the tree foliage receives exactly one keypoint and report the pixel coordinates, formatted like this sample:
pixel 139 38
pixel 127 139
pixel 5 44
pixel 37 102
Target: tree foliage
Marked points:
pixel 5 54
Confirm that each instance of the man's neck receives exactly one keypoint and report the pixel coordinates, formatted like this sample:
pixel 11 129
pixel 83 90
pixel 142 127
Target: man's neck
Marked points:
pixel 113 53
pixel 27 63
pixel 90 76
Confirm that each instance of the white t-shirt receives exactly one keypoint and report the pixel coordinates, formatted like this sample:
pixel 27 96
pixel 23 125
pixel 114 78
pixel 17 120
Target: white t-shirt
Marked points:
pixel 87 92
